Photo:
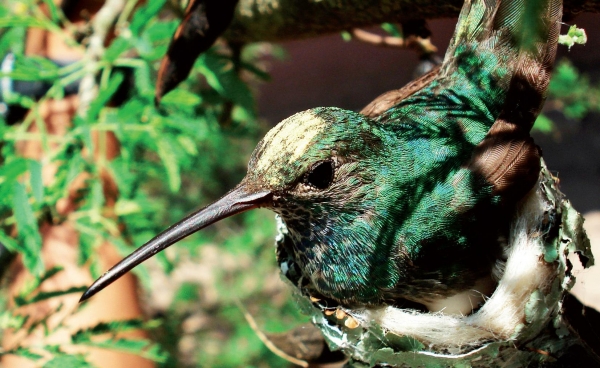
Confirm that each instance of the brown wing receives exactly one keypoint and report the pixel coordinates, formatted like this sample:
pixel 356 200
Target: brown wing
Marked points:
pixel 507 158
pixel 391 98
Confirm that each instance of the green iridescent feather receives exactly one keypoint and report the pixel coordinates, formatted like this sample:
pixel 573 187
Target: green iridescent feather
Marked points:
pixel 423 192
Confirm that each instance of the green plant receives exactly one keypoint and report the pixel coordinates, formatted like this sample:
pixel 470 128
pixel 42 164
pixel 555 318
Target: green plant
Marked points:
pixel 570 92
pixel 172 158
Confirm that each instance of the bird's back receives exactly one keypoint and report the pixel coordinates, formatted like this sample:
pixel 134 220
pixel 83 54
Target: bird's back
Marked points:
pixel 464 137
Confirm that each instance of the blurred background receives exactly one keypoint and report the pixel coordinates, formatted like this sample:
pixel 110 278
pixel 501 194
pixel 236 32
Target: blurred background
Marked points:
pixel 90 169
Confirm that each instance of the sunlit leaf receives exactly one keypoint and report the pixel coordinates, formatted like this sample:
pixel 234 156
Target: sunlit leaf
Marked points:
pixel 35 170
pixel 144 14
pixel 117 47
pixel 143 82
pixel 12 21
pixel 55 13
pixel 222 76
pixel 574 36
pixel 161 31
pixel 392 29
pixel 10 320
pixel 139 347
pixel 85 335
pixel 169 159
pixel 68 360
pixel 543 124
pixel 346 36
pixel 10 243
pixel 44 295
pixel 126 207
pixel 25 353
pixel 10 171
pixel 181 97
pixel 34 68
pixel 28 230
pixel 104 95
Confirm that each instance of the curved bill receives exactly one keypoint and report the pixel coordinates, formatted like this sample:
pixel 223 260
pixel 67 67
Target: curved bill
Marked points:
pixel 236 201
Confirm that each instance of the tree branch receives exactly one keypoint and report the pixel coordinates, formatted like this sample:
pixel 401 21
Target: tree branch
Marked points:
pixel 278 20
pixel 422 45
pixel 101 26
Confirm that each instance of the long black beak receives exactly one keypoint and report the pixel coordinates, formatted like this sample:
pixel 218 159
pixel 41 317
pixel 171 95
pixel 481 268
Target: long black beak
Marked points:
pixel 236 201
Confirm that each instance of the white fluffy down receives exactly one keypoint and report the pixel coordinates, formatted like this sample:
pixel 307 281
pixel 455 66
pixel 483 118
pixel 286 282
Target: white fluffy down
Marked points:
pixel 525 271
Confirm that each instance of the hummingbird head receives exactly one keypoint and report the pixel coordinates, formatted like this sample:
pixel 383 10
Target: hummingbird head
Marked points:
pixel 326 170
pixel 311 170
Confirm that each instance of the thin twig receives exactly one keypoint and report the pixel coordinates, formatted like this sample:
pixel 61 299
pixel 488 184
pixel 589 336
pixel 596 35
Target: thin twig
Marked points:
pixel 423 45
pixel 263 337
pixel 101 25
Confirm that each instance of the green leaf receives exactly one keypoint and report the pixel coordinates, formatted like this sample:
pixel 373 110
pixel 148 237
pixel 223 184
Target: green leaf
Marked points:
pixel 10 320
pixel 392 29
pixel 574 36
pixel 25 353
pixel 4 11
pixel 125 207
pixel 13 40
pixel 34 68
pixel 28 289
pixel 87 251
pixel 28 230
pixel 49 273
pixel 11 171
pixel 143 82
pixel 181 97
pixel 37 187
pixel 104 96
pixel 259 73
pixel 188 145
pixel 221 75
pixel 144 14
pixel 154 41
pixel 139 347
pixel 85 133
pixel 187 292
pixel 44 295
pixel 55 14
pixel 69 171
pixel 121 171
pixel 116 48
pixel 573 91
pixel 85 335
pixel 97 198
pixel 68 361
pixel 161 31
pixel 167 154
pixel 543 124
pixel 10 243
pixel 143 348
pixel 9 174
pixel 29 22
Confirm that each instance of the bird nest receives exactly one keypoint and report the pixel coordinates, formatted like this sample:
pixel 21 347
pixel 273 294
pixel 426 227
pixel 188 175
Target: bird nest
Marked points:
pixel 519 325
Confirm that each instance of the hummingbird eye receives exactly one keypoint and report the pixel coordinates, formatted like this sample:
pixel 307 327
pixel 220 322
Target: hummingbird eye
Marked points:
pixel 320 176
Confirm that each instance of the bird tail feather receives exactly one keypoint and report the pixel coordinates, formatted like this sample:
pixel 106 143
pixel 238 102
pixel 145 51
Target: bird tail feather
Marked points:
pixel 523 36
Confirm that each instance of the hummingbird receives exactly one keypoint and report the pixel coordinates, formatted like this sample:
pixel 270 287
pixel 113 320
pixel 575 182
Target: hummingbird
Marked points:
pixel 410 198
